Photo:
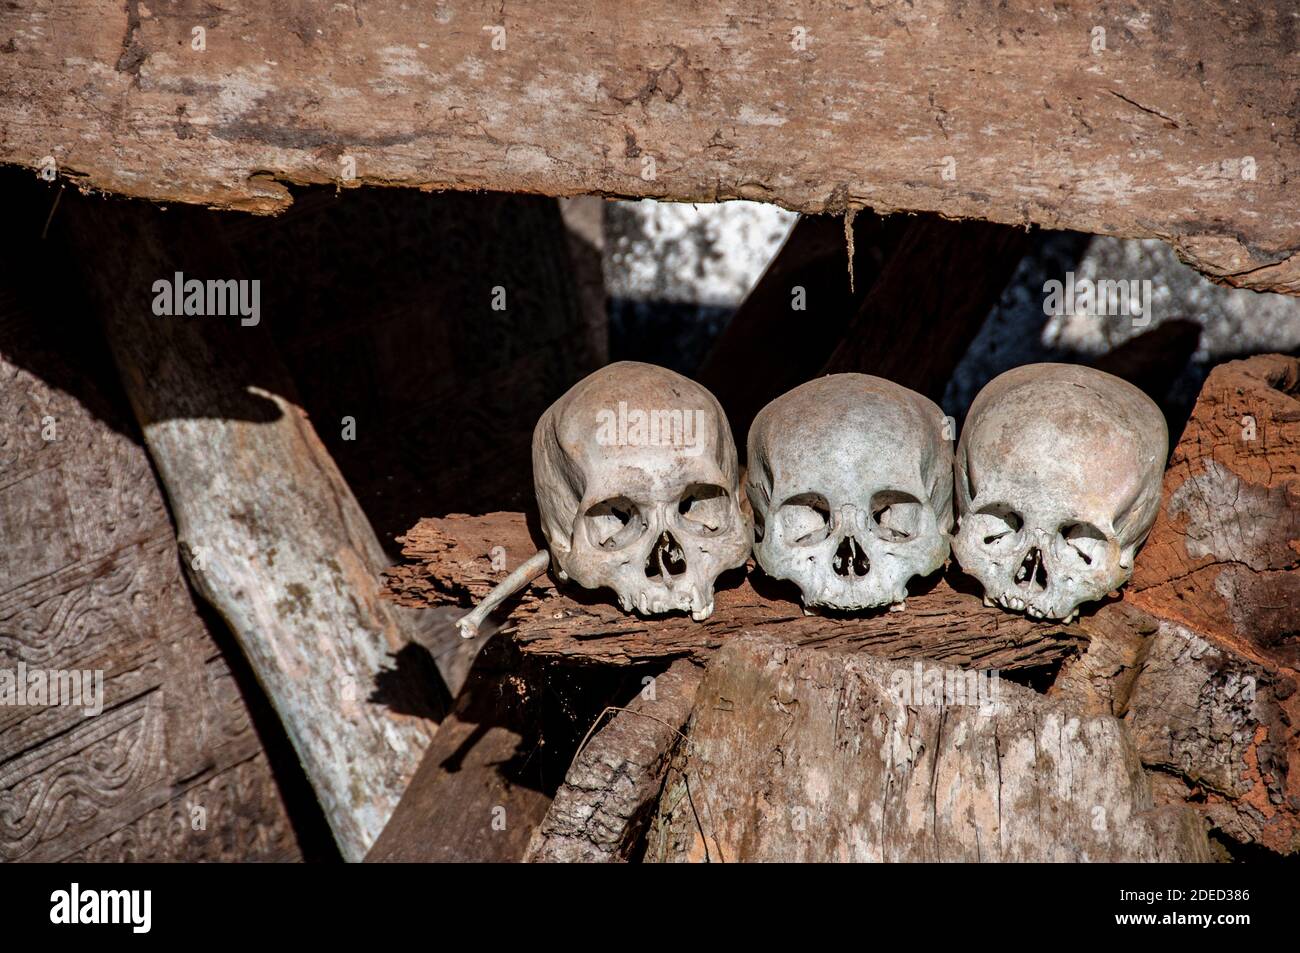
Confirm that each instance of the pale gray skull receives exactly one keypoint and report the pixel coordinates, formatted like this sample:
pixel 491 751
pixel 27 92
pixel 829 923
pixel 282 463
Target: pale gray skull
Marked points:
pixel 638 488
pixel 850 480
pixel 1058 482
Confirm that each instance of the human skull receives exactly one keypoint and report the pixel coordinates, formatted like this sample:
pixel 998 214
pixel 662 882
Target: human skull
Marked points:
pixel 637 483
pixel 1058 477
pixel 850 480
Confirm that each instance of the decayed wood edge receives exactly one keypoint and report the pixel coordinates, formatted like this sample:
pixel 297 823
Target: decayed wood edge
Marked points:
pixel 603 807
pixel 802 755
pixel 269 531
pixel 1223 557
pixel 1179 124
pixel 1200 658
pixel 449 562
pixel 1216 729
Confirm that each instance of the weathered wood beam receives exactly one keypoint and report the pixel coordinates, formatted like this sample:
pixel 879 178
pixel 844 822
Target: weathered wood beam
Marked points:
pixel 1175 121
pixel 794 754
pixel 162 757
pixel 449 562
pixel 269 532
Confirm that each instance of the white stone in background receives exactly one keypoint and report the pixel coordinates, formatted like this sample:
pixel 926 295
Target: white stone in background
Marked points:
pixel 1233 321
pixel 708 254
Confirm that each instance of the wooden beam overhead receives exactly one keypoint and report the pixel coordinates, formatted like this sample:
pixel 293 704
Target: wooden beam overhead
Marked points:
pixel 1170 120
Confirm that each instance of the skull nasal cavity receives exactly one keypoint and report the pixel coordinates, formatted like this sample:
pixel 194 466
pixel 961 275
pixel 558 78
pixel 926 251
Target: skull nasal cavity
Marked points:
pixel 850 559
pixel 1032 574
pixel 665 558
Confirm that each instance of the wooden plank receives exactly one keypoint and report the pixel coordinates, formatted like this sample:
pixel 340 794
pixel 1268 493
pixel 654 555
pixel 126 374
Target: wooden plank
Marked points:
pixel 477 796
pixel 802 755
pixel 269 531
pixel 448 561
pixel 1176 120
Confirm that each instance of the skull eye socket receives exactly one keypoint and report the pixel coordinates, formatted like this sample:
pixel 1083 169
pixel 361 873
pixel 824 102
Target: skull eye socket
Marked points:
pixel 1084 542
pixel 805 519
pixel 997 525
pixel 613 523
pixel 895 516
pixel 705 509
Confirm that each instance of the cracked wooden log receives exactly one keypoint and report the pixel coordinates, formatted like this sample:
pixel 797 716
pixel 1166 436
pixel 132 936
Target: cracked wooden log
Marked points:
pixel 1179 124
pixel 1202 658
pixel 449 561
pixel 601 811
pixel 269 532
pixel 803 755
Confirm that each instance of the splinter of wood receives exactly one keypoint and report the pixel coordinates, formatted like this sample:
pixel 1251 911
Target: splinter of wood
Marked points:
pixel 527 571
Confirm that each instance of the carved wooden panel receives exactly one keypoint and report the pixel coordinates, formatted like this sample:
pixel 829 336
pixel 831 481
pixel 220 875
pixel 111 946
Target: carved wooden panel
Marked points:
pixel 171 769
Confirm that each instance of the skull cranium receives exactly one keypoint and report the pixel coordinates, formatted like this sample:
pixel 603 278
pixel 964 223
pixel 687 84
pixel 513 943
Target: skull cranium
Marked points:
pixel 850 480
pixel 637 484
pixel 1058 476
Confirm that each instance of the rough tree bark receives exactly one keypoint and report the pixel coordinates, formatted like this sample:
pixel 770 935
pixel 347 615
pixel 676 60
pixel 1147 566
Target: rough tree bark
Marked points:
pixel 1202 658
pixel 269 531
pixel 803 755
pixel 1177 121
pixel 449 560
pixel 610 791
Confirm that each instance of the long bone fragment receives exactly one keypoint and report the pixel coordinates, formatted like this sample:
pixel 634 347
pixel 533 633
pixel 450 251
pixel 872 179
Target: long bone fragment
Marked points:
pixel 524 573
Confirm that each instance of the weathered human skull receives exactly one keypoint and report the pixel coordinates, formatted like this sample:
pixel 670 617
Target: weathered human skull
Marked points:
pixel 1058 482
pixel 637 482
pixel 850 480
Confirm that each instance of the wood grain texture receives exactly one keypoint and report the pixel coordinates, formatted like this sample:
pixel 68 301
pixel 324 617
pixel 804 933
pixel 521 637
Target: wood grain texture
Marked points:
pixel 803 755
pixel 269 531
pixel 448 561
pixel 1156 135
pixel 172 769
